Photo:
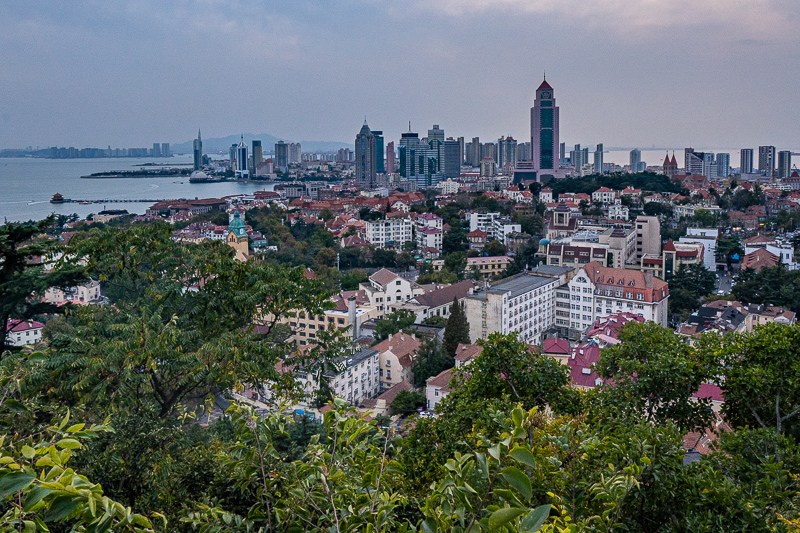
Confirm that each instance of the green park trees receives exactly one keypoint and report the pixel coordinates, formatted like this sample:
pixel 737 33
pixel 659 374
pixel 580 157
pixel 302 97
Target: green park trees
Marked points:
pixel 457 329
pixel 688 286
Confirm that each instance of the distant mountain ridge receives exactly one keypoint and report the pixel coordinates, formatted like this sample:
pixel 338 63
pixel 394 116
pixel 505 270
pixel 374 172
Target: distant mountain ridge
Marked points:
pixel 222 144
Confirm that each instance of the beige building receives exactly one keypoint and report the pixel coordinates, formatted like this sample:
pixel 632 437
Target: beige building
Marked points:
pixel 84 293
pixel 524 304
pixel 648 236
pixel 348 315
pixel 397 355
pixel 488 267
pixel 674 255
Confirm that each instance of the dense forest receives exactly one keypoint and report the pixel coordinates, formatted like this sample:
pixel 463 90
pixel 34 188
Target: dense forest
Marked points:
pixel 125 419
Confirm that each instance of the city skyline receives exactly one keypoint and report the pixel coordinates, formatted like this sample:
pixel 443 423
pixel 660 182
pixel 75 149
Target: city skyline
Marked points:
pixel 74 74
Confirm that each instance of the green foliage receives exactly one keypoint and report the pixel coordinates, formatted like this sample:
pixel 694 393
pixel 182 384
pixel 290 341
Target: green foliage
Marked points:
pixel 457 330
pixel 455 240
pixel 769 286
pixel 22 275
pixel 430 361
pixel 654 375
pixel 456 262
pixel 688 285
pixel 406 402
pixel 351 280
pixel 435 320
pixel 494 248
pixel 647 181
pixel 761 372
pixel 394 322
pixel 656 209
pixel 728 247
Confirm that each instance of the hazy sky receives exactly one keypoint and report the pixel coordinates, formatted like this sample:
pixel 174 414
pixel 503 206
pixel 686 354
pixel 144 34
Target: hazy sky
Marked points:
pixel 703 73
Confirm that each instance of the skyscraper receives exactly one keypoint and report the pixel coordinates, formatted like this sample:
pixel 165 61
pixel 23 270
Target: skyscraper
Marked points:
pixel 258 154
pixel 474 158
pixel 544 130
pixel 700 163
pixel 295 153
pixel 723 164
pixel 241 160
pixel 635 159
pixel 562 151
pixel 165 151
pixel 366 164
pixel 409 146
pixel 436 144
pixel 784 164
pixel 461 150
pixel 746 161
pixel 597 168
pixel 197 148
pixel 390 169
pixel 156 150
pixel 381 168
pixel 506 151
pixel 766 159
pixel 452 158
pixel 281 156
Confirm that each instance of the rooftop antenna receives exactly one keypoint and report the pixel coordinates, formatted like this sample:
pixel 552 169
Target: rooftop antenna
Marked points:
pixel 409 126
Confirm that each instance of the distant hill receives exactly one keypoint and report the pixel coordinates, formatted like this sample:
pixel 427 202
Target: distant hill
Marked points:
pixel 222 144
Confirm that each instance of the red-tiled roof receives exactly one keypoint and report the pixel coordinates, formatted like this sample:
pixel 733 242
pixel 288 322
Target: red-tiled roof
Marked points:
pixel 560 346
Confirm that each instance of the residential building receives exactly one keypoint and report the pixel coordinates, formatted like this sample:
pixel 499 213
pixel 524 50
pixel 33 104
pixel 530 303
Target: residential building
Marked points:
pixel 506 151
pixel 487 267
pixel 366 166
pixel 723 164
pixel 347 315
pixel 544 131
pixel 648 236
pixel 523 304
pixel 295 153
pixel 635 160
pixel 604 195
pixel 783 251
pixel 746 161
pixel 438 387
pixel 477 239
pixel 673 256
pixel 436 302
pixel 88 292
pixel 597 292
pixel 708 238
pixel 597 167
pixel 388 233
pixel 546 195
pixel 784 164
pixel 703 163
pixel 356 377
pixel 558 349
pixel 281 156
pixel 766 159
pixel 23 332
pixel 385 289
pixel 397 354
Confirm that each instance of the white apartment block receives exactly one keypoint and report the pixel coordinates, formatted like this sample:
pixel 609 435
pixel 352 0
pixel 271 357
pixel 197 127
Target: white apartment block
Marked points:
pixel 483 222
pixel 386 289
pixel 524 304
pixel 708 238
pixel 354 379
pixel 604 195
pixel 389 233
pixel 448 186
pixel 597 291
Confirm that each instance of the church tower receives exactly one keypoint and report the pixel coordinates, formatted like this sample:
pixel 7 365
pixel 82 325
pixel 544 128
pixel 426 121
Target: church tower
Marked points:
pixel 237 236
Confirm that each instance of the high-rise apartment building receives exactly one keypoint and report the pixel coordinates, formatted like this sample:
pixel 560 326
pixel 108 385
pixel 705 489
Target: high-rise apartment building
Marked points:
pixel 766 159
pixel 635 159
pixel 366 161
pixel 784 164
pixel 390 167
pixel 746 161
pixel 489 150
pixel 579 157
pixel 524 151
pixel 461 150
pixel 408 153
pixel 380 165
pixel 544 131
pixel 648 236
pixel 295 153
pixel 165 151
pixel 597 168
pixel 436 144
pixel 197 149
pixel 241 170
pixel 700 163
pixel 506 151
pixel 281 156
pixel 723 164
pixel 452 158
pixel 562 150
pixel 156 149
pixel 474 157
pixel 258 154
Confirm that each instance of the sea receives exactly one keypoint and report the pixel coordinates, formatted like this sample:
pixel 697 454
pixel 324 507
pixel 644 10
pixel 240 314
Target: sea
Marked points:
pixel 27 184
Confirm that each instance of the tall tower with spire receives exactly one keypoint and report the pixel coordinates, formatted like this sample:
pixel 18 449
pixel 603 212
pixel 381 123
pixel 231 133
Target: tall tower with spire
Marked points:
pixel 242 171
pixel 366 158
pixel 544 131
pixel 198 151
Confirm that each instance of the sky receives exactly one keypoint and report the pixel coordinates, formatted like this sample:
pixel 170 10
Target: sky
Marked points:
pixel 627 73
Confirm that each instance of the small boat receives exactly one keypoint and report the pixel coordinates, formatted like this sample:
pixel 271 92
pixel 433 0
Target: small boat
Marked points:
pixel 85 203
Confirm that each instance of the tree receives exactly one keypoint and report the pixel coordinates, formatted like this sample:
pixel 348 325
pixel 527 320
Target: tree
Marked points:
pixel 435 320
pixel 457 330
pixel 494 248
pixel 455 240
pixel 395 321
pixel 351 280
pixel 651 374
pixel 688 285
pixel 760 373
pixel 656 208
pixel 406 402
pixel 705 218
pixel 22 274
pixel 182 325
pixel 326 214
pixel 727 247
pixel 456 263
pixel 769 286
pixel 430 361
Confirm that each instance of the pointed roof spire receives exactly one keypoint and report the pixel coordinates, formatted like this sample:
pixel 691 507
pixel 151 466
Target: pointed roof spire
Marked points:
pixel 409 126
pixel 675 163
pixel 544 85
pixel 666 160
pixel 198 133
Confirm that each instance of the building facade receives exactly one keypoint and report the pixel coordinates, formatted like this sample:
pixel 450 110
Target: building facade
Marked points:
pixel 544 131
pixel 366 166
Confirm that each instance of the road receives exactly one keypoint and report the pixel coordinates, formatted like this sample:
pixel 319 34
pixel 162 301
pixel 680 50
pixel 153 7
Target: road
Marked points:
pixel 724 282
